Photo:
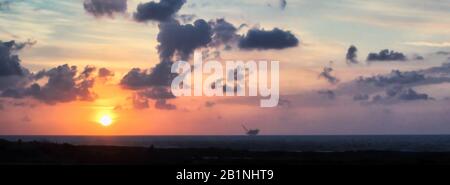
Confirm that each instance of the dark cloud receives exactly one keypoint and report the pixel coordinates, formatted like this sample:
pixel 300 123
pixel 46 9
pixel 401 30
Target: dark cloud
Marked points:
pixel 351 56
pixel 160 75
pixel 418 57
pixel 443 53
pixel 9 61
pixel 182 40
pixel 328 94
pixel 99 8
pixel 174 39
pixel 407 79
pixel 63 85
pixel 283 4
pixel 410 94
pixel 443 69
pixel 152 85
pixel 224 33
pixel 179 41
pixel 104 73
pixel 395 77
pixel 284 103
pixel 21 104
pixel 262 39
pixel 399 93
pixel 136 79
pixel 17 46
pixel 361 97
pixel 397 85
pixel 12 74
pixel 162 104
pixel 87 72
pixel 326 73
pixel 140 99
pixel 158 11
pixel 139 102
pixel 386 55
pixel 157 93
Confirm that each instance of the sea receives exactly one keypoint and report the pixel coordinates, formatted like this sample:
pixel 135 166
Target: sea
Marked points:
pixel 316 143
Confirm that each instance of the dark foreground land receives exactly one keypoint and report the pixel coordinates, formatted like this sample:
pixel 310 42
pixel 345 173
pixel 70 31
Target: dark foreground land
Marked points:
pixel 51 153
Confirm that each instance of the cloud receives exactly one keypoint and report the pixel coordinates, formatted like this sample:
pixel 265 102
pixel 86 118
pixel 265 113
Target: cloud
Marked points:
pixel 162 104
pixel 140 99
pixel 224 33
pixel 87 72
pixel 443 53
pixel 12 74
pixel 139 102
pixel 386 55
pixel 182 40
pixel 158 11
pixel 351 56
pixel 151 85
pixel 443 69
pixel 418 57
pixel 179 41
pixel 410 95
pixel 399 94
pixel 361 97
pixel 9 60
pixel 136 78
pixel 284 103
pixel 186 18
pixel 63 85
pixel 328 94
pixel 429 44
pixel 157 93
pixel 396 84
pixel 326 73
pixel 105 73
pixel 174 39
pixel 395 77
pixel 283 4
pixel 100 8
pixel 262 39
pixel 160 75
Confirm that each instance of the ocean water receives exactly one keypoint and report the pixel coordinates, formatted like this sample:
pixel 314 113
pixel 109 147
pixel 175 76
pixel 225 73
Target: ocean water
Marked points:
pixel 429 143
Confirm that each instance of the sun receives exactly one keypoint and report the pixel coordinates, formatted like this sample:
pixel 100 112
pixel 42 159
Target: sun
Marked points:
pixel 105 120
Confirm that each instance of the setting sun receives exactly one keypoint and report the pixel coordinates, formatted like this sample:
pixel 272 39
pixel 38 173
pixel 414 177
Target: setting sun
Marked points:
pixel 105 120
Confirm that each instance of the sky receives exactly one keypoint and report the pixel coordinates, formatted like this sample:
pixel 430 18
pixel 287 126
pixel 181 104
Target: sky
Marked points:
pixel 346 66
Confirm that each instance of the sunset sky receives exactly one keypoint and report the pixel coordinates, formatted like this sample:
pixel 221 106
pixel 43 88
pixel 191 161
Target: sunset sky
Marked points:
pixel 326 86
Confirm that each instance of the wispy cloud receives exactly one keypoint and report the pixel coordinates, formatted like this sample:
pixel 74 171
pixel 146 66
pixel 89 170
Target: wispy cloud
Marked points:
pixel 429 44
